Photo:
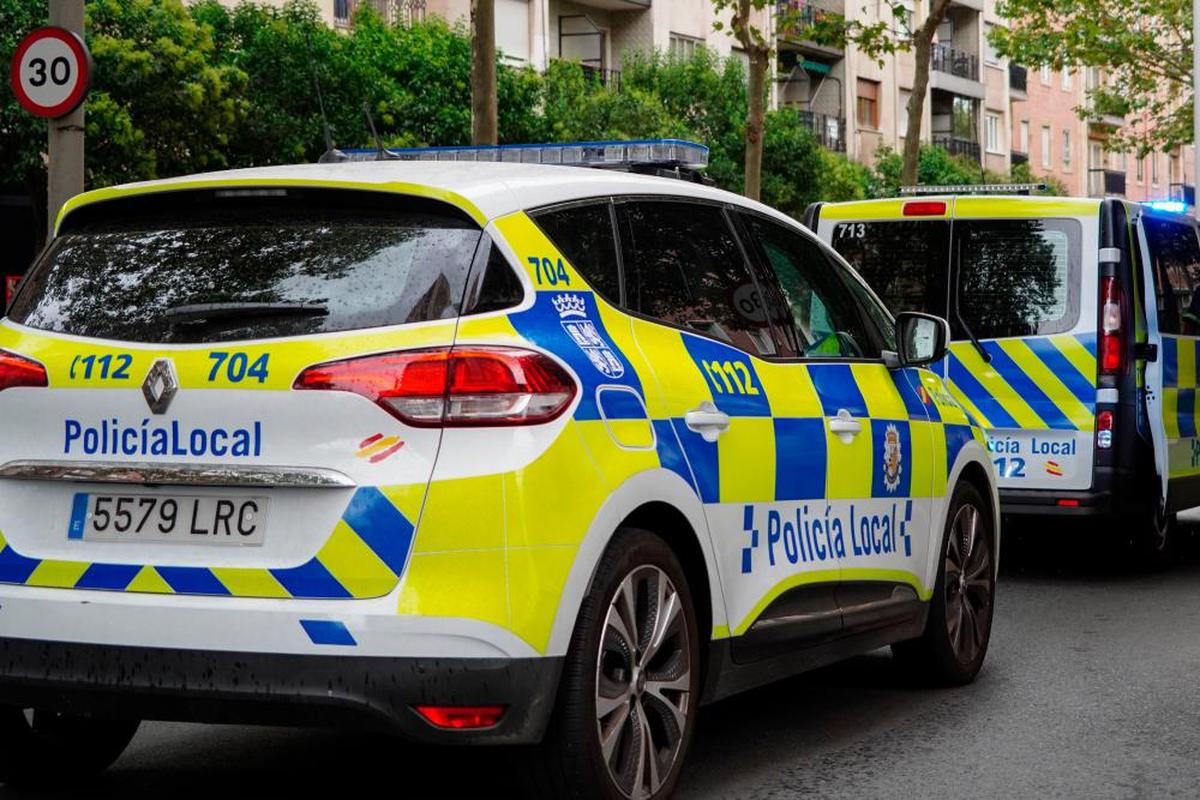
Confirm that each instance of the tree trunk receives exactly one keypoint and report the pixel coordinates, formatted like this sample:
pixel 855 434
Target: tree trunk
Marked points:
pixel 483 72
pixel 922 51
pixel 755 113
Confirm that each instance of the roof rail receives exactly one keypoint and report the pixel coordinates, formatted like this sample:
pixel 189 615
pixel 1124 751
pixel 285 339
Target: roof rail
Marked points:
pixel 975 188
pixel 668 157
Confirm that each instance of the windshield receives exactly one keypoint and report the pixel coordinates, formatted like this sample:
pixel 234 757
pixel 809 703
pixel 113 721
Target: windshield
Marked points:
pixel 267 274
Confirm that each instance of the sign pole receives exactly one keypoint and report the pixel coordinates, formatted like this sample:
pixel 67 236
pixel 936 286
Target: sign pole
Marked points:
pixel 65 146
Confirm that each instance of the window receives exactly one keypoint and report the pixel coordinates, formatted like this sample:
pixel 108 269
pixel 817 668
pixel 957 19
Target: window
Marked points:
pixel 1176 256
pixel 1173 168
pixel 149 269
pixel 1017 277
pixel 904 262
pixel 341 10
pixel 868 104
pixel 1154 168
pixel 1046 73
pixel 1066 151
pixel 1024 134
pixel 992 132
pixel 499 289
pixel 823 309
pixel 1066 79
pixel 683 266
pixel 584 234
pixel 1046 155
pixel 683 48
pixel 990 54
pixel 1141 168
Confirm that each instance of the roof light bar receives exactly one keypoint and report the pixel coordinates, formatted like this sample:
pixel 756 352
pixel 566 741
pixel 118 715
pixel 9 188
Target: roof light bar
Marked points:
pixel 614 154
pixel 974 188
pixel 1169 206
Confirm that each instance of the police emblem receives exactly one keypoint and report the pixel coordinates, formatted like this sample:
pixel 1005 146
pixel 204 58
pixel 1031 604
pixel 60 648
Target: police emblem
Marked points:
pixel 892 458
pixel 572 313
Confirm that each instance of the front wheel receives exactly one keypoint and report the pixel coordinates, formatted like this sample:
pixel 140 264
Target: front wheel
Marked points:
pixel 630 686
pixel 955 641
pixel 40 747
pixel 1153 538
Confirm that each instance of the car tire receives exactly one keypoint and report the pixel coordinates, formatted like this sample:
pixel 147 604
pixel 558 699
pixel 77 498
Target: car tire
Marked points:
pixel 951 650
pixel 1153 538
pixel 40 747
pixel 625 710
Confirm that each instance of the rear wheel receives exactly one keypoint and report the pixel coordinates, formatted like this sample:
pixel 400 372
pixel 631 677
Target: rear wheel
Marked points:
pixel 40 747
pixel 959 627
pixel 1153 537
pixel 630 685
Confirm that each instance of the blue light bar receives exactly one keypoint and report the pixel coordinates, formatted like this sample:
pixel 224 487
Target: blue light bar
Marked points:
pixel 1170 206
pixel 614 154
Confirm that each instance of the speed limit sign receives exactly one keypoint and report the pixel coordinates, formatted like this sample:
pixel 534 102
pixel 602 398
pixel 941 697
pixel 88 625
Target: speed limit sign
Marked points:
pixel 51 71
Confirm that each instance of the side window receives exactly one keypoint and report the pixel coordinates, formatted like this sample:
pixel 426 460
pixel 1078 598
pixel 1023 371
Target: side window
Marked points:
pixel 1175 254
pixel 500 287
pixel 1017 277
pixel 823 308
pixel 683 266
pixel 584 234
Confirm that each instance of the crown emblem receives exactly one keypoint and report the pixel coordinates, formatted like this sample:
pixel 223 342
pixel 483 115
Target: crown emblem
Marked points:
pixel 570 305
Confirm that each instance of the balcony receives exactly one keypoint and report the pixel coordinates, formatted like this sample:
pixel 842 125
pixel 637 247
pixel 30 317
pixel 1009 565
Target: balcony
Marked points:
pixel 795 17
pixel 605 77
pixel 1018 157
pixel 830 130
pixel 1018 81
pixel 1106 182
pixel 957 146
pixel 955 62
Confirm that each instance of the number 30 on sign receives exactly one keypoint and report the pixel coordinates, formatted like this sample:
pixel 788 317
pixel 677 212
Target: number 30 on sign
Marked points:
pixel 51 72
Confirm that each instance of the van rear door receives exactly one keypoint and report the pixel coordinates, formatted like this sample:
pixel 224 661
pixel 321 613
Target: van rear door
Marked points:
pixel 1023 361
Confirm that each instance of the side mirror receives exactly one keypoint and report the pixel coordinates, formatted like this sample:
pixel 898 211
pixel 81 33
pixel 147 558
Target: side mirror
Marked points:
pixel 921 338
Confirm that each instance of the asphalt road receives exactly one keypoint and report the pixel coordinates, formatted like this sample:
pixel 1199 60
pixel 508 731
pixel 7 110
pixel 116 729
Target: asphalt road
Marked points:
pixel 1090 690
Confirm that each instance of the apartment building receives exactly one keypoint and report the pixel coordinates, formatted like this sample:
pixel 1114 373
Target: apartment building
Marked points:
pixel 1050 133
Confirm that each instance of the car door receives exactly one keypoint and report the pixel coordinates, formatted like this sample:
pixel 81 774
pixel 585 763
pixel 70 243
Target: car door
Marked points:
pixel 1173 322
pixel 883 468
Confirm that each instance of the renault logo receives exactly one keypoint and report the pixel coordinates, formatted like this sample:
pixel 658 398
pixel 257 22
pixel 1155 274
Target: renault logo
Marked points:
pixel 160 386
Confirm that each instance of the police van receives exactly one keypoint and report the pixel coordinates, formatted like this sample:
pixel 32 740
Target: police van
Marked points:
pixel 471 448
pixel 1075 330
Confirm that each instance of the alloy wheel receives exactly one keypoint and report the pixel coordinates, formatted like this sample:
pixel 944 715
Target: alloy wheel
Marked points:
pixel 643 682
pixel 968 574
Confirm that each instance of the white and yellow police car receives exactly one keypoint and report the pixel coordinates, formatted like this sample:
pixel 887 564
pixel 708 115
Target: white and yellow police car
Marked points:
pixel 471 452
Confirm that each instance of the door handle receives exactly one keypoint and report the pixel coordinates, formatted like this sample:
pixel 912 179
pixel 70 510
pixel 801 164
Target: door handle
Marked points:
pixel 707 421
pixel 844 426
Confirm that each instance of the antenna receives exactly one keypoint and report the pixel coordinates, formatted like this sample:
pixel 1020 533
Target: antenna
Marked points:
pixel 331 155
pixel 381 153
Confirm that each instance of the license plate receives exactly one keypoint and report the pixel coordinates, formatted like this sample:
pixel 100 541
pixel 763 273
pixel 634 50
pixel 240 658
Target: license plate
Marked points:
pixel 169 518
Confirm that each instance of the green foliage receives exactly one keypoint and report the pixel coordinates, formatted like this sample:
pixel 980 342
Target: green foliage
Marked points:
pixel 1022 173
pixel 1143 48
pixel 22 137
pixel 936 167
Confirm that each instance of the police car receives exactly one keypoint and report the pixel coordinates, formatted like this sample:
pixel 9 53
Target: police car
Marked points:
pixel 1076 328
pixel 469 449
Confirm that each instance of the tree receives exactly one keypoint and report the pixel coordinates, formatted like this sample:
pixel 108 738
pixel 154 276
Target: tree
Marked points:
pixel 483 72
pixel 922 44
pixel 795 21
pixel 1144 49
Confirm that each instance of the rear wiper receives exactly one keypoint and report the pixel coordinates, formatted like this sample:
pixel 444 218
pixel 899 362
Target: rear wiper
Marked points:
pixel 984 354
pixel 205 312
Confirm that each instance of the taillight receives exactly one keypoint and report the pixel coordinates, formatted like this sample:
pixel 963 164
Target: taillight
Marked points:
pixel 460 386
pixel 1104 430
pixel 17 370
pixel 1112 350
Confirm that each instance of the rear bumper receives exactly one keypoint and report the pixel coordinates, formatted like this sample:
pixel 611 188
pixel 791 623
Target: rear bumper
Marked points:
pixel 1116 491
pixel 362 692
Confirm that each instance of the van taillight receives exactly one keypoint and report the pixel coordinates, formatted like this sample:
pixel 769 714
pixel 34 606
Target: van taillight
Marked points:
pixel 1105 422
pixel 17 370
pixel 1112 350
pixel 462 386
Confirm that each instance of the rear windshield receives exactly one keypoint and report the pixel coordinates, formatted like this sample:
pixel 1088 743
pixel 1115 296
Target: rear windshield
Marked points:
pixel 1015 277
pixel 249 269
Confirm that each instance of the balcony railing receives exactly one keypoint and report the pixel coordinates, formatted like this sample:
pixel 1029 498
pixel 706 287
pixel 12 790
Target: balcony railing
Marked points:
pixel 1105 182
pixel 796 15
pixel 605 77
pixel 954 62
pixel 1018 77
pixel 1019 158
pixel 956 146
pixel 830 130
